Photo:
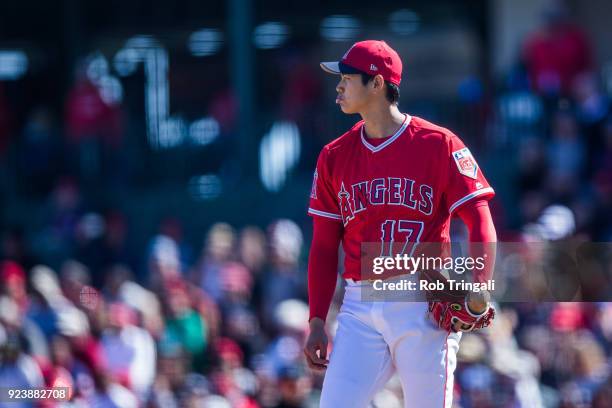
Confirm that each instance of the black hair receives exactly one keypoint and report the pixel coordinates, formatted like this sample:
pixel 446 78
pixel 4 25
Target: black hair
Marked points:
pixel 393 92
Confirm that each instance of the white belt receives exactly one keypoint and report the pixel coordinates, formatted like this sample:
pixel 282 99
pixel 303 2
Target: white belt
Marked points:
pixel 363 282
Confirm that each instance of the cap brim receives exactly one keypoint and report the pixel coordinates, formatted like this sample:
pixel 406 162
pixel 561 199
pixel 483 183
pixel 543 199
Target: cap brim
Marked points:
pixel 332 67
pixel 338 68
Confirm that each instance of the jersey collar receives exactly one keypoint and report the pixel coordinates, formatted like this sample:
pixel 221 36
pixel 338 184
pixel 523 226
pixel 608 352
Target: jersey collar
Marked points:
pixel 374 149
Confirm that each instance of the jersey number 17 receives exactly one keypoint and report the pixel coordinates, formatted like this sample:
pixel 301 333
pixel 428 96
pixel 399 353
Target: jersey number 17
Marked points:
pixel 400 237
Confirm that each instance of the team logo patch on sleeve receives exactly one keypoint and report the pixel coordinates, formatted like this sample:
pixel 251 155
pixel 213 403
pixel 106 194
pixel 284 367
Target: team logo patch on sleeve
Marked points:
pixel 313 189
pixel 466 163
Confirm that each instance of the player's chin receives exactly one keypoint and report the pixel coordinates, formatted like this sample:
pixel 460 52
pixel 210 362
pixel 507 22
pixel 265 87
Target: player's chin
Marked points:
pixel 346 108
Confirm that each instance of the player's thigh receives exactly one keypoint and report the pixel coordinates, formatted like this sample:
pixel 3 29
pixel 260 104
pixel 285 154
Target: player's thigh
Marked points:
pixel 360 365
pixel 425 362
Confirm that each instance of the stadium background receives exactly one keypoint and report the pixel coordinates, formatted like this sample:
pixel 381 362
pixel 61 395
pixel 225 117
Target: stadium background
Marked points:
pixel 157 157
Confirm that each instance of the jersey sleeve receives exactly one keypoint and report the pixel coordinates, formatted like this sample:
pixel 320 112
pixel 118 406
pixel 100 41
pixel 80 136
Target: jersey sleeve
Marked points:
pixel 466 180
pixel 323 202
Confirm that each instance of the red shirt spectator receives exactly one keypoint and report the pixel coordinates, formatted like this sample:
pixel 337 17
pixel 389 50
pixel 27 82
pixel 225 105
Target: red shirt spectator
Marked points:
pixel 555 56
pixel 88 116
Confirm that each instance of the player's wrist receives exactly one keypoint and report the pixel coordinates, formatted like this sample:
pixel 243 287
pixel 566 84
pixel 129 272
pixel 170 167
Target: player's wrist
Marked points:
pixel 316 323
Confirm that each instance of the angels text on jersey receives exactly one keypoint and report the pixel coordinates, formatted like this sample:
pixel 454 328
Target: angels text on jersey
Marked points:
pixel 399 191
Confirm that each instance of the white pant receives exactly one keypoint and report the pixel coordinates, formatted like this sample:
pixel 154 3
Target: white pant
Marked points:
pixel 375 339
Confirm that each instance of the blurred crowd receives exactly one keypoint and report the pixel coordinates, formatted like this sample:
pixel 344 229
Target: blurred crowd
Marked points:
pixel 555 113
pixel 224 326
pixel 223 329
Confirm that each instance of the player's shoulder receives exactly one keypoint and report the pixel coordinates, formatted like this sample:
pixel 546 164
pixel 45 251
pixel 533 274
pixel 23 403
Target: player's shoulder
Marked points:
pixel 344 142
pixel 431 132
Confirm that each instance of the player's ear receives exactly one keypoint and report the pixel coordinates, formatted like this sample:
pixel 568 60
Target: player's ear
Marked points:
pixel 379 82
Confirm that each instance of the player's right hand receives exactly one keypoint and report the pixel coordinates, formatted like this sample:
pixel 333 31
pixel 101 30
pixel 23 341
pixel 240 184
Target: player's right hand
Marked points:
pixel 315 348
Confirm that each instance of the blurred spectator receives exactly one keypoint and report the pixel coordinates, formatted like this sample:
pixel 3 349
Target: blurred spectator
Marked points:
pixel 508 359
pixel 216 255
pixel 252 249
pixel 172 227
pixel 13 280
pixel 93 126
pixel 40 309
pixel 587 371
pixel 531 165
pixel 294 387
pixel 74 276
pixel 284 279
pixel 592 106
pixel 171 374
pixel 565 156
pixel 18 371
pixel 56 239
pixel 164 261
pixel 285 350
pixel 130 349
pixel 120 288
pixel 39 158
pixel 603 158
pixel 224 108
pixel 602 228
pixel 557 53
pixel 184 325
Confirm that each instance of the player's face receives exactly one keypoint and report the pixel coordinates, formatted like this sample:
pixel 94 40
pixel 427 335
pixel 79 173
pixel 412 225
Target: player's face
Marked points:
pixel 353 95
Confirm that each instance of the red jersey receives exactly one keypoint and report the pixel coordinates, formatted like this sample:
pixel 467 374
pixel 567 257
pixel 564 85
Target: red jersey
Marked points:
pixel 405 188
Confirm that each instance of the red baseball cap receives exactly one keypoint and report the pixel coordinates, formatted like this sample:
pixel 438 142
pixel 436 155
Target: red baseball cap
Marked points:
pixel 369 57
pixel 10 270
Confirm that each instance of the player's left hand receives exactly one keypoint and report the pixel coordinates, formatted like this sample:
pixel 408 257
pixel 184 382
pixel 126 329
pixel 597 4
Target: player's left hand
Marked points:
pixel 476 312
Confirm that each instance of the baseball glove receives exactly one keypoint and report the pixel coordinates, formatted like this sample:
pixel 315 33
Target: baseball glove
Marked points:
pixel 459 316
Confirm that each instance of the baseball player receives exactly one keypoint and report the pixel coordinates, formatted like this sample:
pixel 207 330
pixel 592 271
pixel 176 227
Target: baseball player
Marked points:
pixel 391 178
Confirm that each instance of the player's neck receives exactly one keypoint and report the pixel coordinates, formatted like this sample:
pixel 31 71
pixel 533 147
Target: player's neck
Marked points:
pixel 382 121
